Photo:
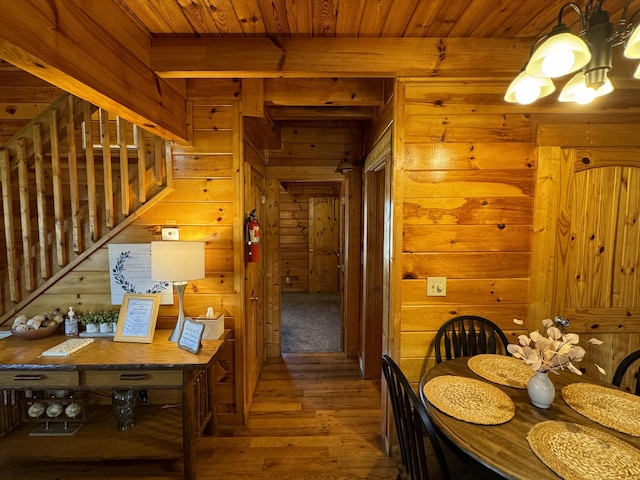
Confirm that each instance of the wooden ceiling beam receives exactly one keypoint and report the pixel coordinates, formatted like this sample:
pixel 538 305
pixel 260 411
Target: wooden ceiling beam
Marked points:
pixel 59 42
pixel 321 113
pixel 297 57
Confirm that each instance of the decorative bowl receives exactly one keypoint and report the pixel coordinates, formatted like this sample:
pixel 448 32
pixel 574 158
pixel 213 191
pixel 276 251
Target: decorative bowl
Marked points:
pixel 34 334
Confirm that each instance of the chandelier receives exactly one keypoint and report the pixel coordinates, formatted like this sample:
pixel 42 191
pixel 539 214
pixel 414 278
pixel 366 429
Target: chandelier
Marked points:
pixel 560 52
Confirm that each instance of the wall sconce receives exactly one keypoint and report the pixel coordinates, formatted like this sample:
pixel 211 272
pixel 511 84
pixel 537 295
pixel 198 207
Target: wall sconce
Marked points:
pixel 177 262
pixel 589 53
pixel 346 164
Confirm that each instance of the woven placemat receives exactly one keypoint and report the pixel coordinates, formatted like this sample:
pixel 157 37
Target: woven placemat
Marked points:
pixel 501 369
pixel 607 406
pixel 576 452
pixel 470 400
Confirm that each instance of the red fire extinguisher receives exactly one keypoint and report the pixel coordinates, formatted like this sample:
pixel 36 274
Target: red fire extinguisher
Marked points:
pixel 252 238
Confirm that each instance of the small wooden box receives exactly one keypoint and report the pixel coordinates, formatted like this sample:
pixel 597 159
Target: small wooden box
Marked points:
pixel 213 326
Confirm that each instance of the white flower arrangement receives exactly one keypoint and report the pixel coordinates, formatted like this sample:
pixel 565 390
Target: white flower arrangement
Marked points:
pixel 550 353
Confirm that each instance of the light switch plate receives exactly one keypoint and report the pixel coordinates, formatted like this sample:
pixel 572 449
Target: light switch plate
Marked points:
pixel 170 233
pixel 436 286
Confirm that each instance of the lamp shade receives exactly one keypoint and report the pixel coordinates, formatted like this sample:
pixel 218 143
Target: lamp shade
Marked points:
pixel 576 90
pixel 177 261
pixel 525 89
pixel 559 55
pixel 632 48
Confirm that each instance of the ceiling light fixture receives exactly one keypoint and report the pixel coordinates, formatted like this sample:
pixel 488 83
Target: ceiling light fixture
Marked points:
pixel 346 165
pixel 589 53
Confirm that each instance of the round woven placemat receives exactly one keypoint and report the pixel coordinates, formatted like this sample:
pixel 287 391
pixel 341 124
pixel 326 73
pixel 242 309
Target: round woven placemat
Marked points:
pixel 607 406
pixel 501 369
pixel 576 452
pixel 470 400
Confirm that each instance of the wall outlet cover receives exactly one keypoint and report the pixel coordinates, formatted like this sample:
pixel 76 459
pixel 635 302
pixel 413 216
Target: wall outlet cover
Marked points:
pixel 170 233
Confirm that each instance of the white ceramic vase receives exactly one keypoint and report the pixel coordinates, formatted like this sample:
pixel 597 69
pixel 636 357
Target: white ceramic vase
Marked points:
pixel 541 390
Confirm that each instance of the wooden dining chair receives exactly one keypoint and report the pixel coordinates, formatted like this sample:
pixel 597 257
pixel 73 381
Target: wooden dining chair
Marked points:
pixel 469 335
pixel 412 422
pixel 625 366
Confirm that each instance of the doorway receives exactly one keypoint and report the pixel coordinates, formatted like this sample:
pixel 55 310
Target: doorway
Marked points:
pixel 310 253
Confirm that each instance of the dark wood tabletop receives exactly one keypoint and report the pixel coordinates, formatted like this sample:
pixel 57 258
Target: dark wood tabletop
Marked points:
pixel 504 448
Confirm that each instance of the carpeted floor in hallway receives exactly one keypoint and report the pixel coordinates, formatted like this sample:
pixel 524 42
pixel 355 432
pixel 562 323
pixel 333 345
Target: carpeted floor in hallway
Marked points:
pixel 310 322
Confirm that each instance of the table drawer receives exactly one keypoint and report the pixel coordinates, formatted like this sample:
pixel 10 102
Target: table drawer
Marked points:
pixel 132 378
pixel 38 379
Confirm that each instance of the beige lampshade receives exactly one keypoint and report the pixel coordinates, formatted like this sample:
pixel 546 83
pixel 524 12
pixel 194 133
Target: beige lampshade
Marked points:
pixel 177 261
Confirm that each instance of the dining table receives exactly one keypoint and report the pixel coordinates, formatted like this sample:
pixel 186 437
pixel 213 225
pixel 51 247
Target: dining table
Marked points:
pixel 590 431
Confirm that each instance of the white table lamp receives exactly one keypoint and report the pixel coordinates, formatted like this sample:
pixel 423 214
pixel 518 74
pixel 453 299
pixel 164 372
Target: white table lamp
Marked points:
pixel 177 262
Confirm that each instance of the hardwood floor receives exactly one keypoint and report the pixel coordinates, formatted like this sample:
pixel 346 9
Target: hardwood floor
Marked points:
pixel 313 418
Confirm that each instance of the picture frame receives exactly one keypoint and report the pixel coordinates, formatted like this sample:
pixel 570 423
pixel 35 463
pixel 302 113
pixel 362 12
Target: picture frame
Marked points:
pixel 137 318
pixel 191 336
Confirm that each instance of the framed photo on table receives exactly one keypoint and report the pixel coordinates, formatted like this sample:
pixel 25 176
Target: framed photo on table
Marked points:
pixel 137 319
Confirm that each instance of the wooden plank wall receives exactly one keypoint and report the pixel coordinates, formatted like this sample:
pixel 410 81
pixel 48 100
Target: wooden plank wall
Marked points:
pixel 203 207
pixel 294 232
pixel 466 180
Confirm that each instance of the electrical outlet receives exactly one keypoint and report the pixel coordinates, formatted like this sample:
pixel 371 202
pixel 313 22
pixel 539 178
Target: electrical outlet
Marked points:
pixel 170 233
pixel 436 286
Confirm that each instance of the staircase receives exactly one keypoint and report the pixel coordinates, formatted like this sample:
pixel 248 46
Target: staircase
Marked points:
pixel 71 179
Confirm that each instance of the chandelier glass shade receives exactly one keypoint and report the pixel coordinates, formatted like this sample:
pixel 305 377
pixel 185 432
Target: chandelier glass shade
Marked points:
pixel 560 53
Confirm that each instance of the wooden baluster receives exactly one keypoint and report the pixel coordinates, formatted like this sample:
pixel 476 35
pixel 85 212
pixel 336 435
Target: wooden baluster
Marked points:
pixel 158 153
pixel 124 167
pixel 25 215
pixel 7 206
pixel 74 194
pixel 142 164
pixel 58 201
pixel 41 201
pixel 91 173
pixel 105 138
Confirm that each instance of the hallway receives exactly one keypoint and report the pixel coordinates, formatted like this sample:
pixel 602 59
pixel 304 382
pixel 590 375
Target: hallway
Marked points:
pixel 313 418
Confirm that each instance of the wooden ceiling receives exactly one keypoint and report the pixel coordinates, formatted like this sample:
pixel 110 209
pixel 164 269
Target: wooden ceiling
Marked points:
pixel 354 18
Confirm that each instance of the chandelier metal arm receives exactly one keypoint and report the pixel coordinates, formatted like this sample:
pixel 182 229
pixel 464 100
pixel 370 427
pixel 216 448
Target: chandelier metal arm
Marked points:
pixel 576 8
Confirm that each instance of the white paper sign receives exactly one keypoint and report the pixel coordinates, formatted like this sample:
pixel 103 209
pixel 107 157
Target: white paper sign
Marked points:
pixel 130 272
pixel 191 336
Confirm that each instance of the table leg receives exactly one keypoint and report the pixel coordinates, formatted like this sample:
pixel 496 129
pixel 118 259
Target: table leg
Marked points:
pixel 189 422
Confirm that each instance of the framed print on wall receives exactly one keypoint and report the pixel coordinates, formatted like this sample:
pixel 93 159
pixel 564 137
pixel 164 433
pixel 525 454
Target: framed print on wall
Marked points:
pixel 137 319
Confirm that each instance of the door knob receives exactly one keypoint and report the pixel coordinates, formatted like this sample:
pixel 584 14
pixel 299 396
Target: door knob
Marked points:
pixel 253 298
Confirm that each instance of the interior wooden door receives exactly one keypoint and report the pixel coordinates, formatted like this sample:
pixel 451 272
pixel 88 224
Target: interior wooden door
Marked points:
pixel 373 280
pixel 254 338
pixel 324 244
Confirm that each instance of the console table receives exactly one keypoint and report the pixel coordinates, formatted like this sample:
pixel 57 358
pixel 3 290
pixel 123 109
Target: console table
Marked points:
pixel 109 365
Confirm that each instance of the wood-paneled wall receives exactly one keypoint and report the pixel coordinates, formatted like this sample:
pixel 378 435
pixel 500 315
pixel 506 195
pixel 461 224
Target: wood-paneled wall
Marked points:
pixel 530 212
pixel 466 184
pixel 294 231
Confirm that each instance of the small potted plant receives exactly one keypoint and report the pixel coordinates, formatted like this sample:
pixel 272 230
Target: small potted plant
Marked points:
pixel 103 321
pixel 90 321
pixel 107 320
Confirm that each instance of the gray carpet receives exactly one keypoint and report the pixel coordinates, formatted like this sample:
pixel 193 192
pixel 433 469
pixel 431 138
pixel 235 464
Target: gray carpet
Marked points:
pixel 310 322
